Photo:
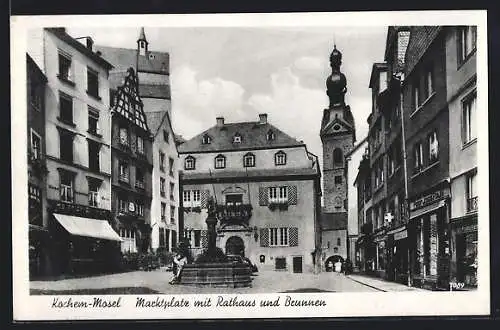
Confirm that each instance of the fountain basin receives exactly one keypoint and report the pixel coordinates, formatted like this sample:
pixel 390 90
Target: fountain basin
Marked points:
pixel 228 274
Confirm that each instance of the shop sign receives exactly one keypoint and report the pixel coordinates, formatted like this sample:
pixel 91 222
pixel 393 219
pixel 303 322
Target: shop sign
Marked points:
pixel 400 235
pixel 426 200
pixel 466 229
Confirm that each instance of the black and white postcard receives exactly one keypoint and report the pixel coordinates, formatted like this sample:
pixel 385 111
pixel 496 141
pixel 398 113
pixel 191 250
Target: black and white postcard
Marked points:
pixel 250 165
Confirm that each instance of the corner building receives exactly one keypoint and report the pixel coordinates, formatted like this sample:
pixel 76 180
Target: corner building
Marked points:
pixel 77 126
pixel 267 189
pixel 462 94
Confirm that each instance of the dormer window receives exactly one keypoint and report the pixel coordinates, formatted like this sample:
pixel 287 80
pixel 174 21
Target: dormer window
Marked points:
pixel 237 138
pixel 249 160
pixel 220 161
pixel 279 158
pixel 189 163
pixel 206 139
pixel 270 135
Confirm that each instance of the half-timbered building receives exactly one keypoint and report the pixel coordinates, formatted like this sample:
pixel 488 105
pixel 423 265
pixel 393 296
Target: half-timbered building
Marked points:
pixel 132 165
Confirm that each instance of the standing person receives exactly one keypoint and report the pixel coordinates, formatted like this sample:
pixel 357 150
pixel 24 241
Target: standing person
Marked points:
pixel 179 261
pixel 338 266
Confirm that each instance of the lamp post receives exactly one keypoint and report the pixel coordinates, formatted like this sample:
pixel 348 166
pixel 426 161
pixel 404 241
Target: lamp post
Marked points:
pixel 406 211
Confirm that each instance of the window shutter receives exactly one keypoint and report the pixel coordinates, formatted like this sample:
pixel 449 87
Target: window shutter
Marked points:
pixel 204 194
pixel 292 195
pixel 263 196
pixel 293 236
pixel 204 239
pixel 264 237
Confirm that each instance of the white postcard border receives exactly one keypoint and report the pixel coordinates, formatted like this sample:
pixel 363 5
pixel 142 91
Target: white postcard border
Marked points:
pixel 26 307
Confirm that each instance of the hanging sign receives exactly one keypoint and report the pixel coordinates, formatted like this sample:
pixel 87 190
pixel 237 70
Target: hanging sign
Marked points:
pixel 400 235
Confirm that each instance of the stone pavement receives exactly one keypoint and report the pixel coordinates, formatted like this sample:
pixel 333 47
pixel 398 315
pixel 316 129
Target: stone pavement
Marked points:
pixel 381 284
pixel 264 282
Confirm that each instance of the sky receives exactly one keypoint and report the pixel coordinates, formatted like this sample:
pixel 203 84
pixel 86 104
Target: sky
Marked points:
pixel 240 72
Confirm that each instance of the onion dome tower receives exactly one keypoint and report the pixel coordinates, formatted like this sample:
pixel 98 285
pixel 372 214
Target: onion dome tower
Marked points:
pixel 338 135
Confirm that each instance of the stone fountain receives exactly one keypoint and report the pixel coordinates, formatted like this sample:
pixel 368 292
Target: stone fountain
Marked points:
pixel 212 267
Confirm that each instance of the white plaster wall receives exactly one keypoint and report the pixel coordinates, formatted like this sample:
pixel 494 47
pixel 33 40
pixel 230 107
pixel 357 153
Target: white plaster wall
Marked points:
pixel 81 101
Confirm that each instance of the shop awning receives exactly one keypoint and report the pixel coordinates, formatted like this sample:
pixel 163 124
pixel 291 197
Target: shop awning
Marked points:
pixel 79 226
pixel 427 209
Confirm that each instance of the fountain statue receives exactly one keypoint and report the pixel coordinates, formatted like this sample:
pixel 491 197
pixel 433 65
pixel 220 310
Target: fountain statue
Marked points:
pixel 212 267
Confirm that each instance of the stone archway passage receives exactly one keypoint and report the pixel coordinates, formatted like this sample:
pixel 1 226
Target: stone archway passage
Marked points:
pixel 333 260
pixel 235 245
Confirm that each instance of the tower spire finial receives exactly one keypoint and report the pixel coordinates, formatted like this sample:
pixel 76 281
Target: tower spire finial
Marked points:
pixel 142 35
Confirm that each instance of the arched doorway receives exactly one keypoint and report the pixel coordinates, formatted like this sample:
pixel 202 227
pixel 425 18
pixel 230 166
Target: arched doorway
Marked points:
pixel 235 245
pixel 331 261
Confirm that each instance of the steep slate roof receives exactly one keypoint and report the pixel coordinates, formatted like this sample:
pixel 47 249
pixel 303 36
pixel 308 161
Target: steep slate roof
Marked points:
pixel 32 64
pixel 154 120
pixel 61 34
pixel 248 172
pixel 122 58
pixel 253 136
pixel 333 220
pixel 421 37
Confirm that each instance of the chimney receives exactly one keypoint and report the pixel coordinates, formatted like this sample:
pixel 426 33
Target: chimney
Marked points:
pixel 263 118
pixel 89 42
pixel 220 121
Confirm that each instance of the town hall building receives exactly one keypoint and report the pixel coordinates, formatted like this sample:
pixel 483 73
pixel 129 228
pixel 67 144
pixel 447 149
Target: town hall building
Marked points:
pixel 266 186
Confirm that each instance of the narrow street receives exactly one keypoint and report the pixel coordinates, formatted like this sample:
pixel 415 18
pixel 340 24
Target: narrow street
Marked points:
pixel 265 282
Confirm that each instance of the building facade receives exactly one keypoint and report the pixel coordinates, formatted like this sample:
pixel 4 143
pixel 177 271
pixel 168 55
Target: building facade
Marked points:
pixel 266 186
pixel 338 135
pixel 153 73
pixel 426 120
pixel 353 158
pixel 39 237
pixel 78 157
pixel 461 96
pixel 132 166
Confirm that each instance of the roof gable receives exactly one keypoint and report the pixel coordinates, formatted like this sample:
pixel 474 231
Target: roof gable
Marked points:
pixel 254 135
pixel 128 102
pixel 123 58
pixel 337 126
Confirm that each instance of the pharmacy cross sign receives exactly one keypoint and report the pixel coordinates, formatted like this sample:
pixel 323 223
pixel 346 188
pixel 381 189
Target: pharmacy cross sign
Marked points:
pixel 388 218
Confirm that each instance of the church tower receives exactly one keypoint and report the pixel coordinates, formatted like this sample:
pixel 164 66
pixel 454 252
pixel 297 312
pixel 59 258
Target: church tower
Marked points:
pixel 338 135
pixel 142 46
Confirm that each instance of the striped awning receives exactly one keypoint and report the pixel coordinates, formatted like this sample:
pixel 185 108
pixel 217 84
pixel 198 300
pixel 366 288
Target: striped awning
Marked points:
pixel 87 227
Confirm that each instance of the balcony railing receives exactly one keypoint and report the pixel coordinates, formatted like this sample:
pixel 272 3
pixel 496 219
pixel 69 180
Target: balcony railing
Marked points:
pixel 472 204
pixel 234 214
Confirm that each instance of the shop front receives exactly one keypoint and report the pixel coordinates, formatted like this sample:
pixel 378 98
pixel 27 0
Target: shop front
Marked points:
pixel 381 254
pixel 398 255
pixel 83 245
pixel 39 251
pixel 464 251
pixel 429 242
